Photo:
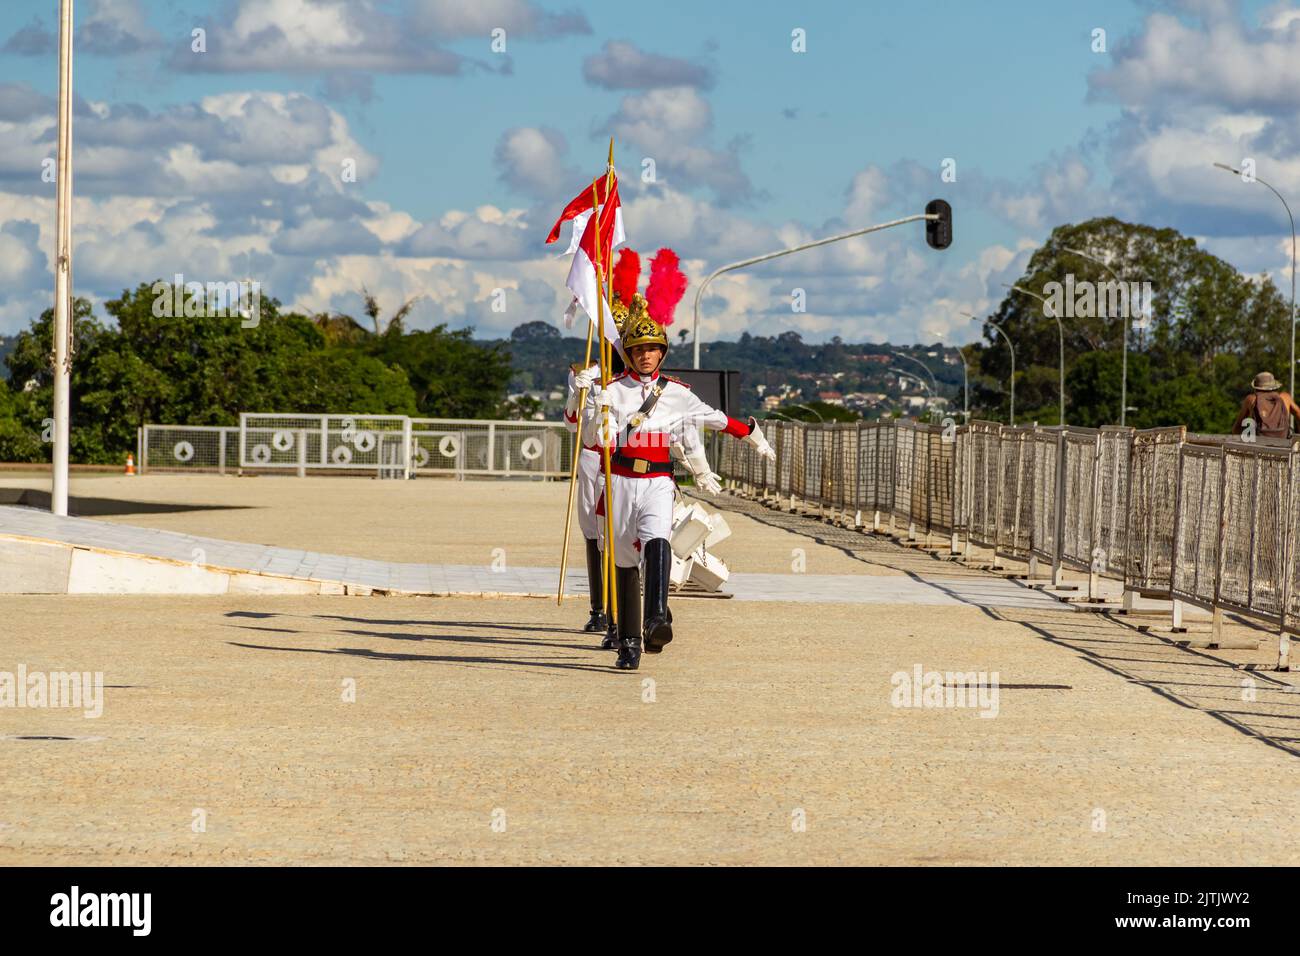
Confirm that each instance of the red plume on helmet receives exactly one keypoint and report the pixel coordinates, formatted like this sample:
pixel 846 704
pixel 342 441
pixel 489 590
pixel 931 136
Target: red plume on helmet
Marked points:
pixel 627 273
pixel 666 287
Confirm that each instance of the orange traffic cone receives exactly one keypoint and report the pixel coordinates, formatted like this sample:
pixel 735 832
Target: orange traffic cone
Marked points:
pixel 130 464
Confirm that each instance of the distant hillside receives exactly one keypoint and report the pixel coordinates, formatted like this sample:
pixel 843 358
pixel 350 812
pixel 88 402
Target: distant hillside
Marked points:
pixel 835 371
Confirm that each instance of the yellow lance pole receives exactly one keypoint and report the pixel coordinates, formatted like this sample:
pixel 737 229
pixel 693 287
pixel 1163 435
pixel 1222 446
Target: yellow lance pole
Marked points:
pixel 611 592
pixel 573 475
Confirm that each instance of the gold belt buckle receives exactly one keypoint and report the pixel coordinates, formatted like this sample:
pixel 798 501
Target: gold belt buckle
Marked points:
pixel 640 466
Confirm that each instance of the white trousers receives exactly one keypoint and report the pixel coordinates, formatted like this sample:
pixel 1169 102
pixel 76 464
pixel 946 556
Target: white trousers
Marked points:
pixel 591 483
pixel 643 510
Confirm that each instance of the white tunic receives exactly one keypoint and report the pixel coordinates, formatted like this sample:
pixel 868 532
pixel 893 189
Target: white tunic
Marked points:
pixel 641 466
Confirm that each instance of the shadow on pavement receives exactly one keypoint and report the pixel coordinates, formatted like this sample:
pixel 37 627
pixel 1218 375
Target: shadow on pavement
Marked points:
pixel 1246 698
pixel 101 507
pixel 438 658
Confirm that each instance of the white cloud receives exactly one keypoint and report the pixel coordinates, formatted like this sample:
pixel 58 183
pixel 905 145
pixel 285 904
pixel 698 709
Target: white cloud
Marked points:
pixel 115 28
pixel 1218 62
pixel 867 193
pixel 672 127
pixel 314 36
pixel 103 28
pixel 532 160
pixel 621 65
pixel 454 19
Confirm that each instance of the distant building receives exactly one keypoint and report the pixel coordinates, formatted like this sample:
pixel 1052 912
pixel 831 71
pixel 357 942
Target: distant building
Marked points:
pixel 831 398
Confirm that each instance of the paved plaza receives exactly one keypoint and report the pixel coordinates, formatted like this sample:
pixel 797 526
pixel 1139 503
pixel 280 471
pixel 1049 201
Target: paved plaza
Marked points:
pixel 780 726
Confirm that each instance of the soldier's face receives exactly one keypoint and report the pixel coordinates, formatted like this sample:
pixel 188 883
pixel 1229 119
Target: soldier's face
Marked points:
pixel 646 358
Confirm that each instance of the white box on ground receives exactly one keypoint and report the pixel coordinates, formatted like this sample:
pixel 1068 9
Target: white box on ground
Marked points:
pixel 681 571
pixel 679 511
pixel 690 531
pixel 719 530
pixel 710 572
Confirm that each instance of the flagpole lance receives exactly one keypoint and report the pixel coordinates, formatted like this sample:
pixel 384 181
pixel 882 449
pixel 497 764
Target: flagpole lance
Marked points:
pixel 607 563
pixel 573 474
pixel 611 592
pixel 604 278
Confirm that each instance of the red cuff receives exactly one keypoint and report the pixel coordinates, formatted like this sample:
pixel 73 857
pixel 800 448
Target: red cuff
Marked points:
pixel 737 428
pixel 570 418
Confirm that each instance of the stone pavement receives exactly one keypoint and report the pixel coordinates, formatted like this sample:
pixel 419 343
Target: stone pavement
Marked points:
pixel 323 729
pixel 455 579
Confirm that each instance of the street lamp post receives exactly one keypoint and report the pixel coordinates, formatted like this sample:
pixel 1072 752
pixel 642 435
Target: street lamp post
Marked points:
pixel 1123 382
pixel 811 409
pixel 62 352
pixel 925 368
pixel 699 293
pixel 916 378
pixel 1012 416
pixel 1060 329
pixel 1293 251
pixel 965 375
pixel 965 386
pixel 934 392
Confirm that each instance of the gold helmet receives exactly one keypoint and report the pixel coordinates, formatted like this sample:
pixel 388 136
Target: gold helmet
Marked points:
pixel 640 328
pixel 618 308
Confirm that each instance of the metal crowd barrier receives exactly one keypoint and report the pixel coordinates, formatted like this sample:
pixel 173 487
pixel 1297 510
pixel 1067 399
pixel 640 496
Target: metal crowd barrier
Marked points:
pixel 390 446
pixel 1206 521
pixel 466 446
pixel 187 448
pixel 1153 500
pixel 303 442
pixel 1112 500
pixel 1018 535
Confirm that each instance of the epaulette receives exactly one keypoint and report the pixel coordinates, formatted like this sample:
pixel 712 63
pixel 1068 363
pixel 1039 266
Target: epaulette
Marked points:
pixel 622 374
pixel 673 378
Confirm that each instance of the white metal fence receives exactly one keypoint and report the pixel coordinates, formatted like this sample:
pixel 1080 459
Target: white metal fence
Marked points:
pixel 390 446
pixel 182 448
pixel 1207 520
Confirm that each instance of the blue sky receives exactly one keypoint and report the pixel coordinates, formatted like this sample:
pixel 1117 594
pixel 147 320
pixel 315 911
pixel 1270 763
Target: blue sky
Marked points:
pixel 225 164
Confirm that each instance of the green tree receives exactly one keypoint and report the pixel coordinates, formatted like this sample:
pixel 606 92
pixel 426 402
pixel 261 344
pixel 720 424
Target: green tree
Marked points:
pixel 1208 329
pixel 452 375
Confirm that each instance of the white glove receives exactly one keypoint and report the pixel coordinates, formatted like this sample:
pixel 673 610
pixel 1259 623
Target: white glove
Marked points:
pixel 697 463
pixel 759 442
pixel 586 378
pixel 604 425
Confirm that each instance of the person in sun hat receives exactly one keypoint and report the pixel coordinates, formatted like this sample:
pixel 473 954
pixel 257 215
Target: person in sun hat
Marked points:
pixel 1269 407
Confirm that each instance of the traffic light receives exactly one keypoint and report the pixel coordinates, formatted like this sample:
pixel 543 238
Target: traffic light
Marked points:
pixel 938 232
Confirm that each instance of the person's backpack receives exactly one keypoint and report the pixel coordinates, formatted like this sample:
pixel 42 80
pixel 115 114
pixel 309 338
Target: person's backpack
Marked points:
pixel 1272 420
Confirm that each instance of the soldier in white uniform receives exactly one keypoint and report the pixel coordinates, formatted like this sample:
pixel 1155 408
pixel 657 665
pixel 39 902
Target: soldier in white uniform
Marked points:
pixel 649 412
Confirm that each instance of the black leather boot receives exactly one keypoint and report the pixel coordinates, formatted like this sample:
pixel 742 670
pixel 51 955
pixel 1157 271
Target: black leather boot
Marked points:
pixel 596 622
pixel 610 642
pixel 629 618
pixel 658 619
